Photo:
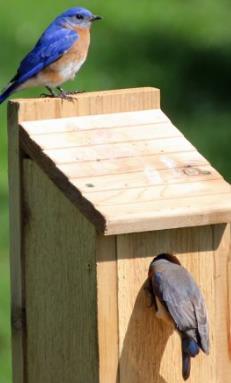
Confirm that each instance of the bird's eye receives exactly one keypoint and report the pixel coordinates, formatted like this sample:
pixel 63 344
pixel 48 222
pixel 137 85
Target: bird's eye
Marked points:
pixel 79 17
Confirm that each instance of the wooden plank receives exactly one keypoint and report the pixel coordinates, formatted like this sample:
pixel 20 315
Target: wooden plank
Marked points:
pixel 161 192
pixel 105 136
pixel 118 150
pixel 113 101
pixel 149 350
pixel 60 276
pixel 100 121
pixel 221 238
pixel 150 176
pixel 166 214
pixel 16 256
pixel 133 162
pixel 107 300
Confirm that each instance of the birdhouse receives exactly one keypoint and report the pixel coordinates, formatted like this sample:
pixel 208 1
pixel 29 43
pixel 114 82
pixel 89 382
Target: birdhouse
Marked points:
pixel 98 187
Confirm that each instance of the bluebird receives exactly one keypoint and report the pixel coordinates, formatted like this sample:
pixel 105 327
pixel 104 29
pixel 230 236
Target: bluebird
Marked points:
pixel 57 56
pixel 178 300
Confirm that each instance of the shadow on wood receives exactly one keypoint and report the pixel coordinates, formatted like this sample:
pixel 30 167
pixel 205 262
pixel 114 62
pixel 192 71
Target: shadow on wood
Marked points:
pixel 141 358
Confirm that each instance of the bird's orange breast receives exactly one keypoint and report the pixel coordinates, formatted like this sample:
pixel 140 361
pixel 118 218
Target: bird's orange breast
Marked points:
pixel 68 65
pixel 77 53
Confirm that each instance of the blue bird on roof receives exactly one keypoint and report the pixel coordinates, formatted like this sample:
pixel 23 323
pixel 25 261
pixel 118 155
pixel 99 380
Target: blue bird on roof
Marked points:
pixel 178 300
pixel 57 56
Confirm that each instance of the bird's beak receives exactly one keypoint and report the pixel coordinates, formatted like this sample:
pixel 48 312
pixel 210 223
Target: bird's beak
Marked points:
pixel 95 18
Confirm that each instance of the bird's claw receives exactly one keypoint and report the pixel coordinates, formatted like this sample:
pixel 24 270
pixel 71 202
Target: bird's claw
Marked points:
pixel 65 96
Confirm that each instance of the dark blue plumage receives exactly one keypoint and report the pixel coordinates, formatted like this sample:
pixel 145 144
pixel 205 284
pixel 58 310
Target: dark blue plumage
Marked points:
pixel 189 350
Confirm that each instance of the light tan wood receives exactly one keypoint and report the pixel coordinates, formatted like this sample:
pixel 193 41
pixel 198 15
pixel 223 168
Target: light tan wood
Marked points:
pixel 93 103
pixel 196 211
pixel 164 191
pixel 114 151
pixel 43 109
pixel 16 257
pixel 221 238
pixel 146 165
pixel 60 279
pixel 105 136
pixel 150 176
pixel 115 101
pixel 149 350
pixel 127 171
pixel 86 313
pixel 100 121
pixel 107 300
pixel 134 163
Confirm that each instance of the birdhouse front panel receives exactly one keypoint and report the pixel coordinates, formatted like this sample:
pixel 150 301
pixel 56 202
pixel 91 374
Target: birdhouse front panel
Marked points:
pixel 150 350
pixel 98 188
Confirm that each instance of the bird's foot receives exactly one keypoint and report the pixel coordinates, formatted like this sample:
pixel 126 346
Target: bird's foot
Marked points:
pixel 65 96
pixel 49 95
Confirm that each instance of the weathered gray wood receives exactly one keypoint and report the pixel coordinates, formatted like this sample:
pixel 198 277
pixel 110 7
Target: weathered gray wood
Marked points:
pixel 60 281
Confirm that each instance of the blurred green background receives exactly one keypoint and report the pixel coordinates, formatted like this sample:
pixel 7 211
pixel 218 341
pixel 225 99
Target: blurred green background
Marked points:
pixel 182 47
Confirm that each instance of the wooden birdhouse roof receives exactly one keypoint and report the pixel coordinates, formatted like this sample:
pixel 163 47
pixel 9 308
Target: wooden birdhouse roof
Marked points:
pixel 127 171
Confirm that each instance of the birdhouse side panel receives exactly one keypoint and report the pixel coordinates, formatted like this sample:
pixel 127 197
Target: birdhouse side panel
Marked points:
pixel 150 349
pixel 60 285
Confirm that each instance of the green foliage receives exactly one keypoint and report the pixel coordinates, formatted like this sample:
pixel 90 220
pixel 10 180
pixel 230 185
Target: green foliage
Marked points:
pixel 182 47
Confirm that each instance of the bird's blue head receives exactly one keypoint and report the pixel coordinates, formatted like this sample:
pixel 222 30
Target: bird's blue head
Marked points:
pixel 77 17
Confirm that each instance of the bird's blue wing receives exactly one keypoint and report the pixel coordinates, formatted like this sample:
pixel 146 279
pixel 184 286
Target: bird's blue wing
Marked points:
pixel 168 287
pixel 185 305
pixel 50 47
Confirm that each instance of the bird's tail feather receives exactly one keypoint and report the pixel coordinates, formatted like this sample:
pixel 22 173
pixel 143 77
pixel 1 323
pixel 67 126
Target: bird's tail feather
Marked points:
pixel 189 349
pixel 186 365
pixel 7 92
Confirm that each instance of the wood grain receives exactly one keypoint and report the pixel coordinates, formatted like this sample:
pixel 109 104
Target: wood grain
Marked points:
pixel 95 122
pixel 120 100
pixel 134 163
pixel 150 176
pixel 221 239
pixel 80 294
pixel 16 243
pixel 149 350
pixel 191 211
pixel 60 279
pixel 126 168
pixel 105 136
pixel 183 164
pixel 43 109
pixel 107 300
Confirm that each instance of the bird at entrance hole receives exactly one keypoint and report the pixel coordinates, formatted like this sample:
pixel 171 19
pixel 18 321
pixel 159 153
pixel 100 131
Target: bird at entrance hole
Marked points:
pixel 178 300
pixel 57 56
